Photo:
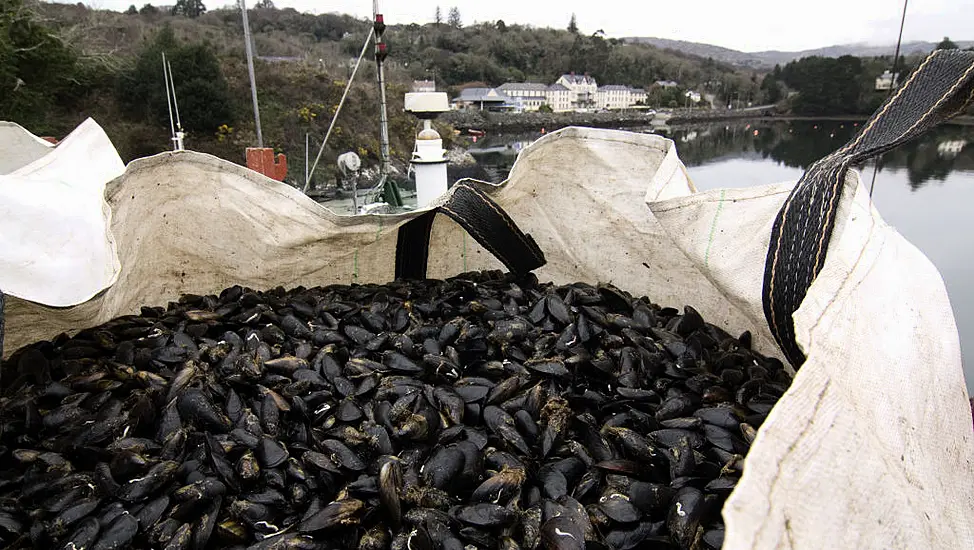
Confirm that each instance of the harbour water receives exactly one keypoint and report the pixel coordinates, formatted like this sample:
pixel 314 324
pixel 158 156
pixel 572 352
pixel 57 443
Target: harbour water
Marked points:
pixel 925 189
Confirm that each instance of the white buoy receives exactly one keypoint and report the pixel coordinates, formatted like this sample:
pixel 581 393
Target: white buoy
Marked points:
pixel 429 161
pixel 429 158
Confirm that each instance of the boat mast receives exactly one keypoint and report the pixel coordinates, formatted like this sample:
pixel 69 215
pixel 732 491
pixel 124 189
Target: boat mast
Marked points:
pixel 380 54
pixel 250 69
pixel 177 128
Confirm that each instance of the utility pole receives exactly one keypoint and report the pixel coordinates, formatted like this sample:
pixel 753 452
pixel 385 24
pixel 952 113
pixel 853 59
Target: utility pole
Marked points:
pixel 250 69
pixel 381 52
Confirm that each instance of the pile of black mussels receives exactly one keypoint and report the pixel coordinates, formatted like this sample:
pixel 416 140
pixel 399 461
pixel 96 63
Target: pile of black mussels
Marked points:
pixel 484 411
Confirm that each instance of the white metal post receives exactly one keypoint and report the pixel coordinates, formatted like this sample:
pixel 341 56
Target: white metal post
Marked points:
pixel 250 69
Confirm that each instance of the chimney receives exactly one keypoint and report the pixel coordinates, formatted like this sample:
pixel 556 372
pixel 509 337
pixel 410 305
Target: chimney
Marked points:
pixel 262 160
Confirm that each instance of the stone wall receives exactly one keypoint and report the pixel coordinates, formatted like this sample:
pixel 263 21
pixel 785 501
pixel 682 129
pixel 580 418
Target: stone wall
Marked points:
pixel 483 120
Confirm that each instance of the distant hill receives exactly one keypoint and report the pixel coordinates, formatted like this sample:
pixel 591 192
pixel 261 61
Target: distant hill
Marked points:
pixel 768 59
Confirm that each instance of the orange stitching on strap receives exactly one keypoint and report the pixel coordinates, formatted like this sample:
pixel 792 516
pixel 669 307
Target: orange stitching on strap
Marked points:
pixel 503 216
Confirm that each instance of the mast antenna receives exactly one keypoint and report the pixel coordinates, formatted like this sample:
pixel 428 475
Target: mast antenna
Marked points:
pixel 175 128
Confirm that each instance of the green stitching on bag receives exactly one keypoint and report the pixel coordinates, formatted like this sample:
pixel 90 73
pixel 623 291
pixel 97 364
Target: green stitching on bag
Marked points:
pixel 713 228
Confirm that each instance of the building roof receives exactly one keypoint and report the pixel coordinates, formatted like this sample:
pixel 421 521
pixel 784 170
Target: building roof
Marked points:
pixel 666 83
pixel 523 86
pixel 556 87
pixel 613 88
pixel 487 95
pixel 423 83
pixel 578 78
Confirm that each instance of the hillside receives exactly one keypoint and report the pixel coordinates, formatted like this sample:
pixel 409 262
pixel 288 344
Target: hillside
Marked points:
pixel 105 64
pixel 767 59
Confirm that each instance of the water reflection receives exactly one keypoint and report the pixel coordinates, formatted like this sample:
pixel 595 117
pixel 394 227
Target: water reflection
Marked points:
pixel 798 144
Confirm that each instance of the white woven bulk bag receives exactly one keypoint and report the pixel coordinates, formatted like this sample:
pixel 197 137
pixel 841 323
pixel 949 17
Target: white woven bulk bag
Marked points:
pixel 19 147
pixel 870 448
pixel 56 247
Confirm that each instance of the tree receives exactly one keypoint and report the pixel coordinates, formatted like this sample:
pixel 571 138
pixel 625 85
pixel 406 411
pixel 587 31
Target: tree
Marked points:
pixel 41 77
pixel 825 86
pixel 265 5
pixel 201 89
pixel 771 88
pixel 132 10
pixel 454 18
pixel 573 25
pixel 501 25
pixel 189 8
pixel 946 44
pixel 438 16
pixel 148 9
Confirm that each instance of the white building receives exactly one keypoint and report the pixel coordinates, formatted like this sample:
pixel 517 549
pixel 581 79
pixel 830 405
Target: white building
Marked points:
pixel 666 84
pixel 582 89
pixel 559 98
pixel 694 96
pixel 887 80
pixel 482 99
pixel 420 86
pixel 613 96
pixel 526 96
pixel 638 95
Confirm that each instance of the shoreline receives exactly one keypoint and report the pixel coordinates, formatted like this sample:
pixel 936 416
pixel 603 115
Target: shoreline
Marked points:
pixel 534 121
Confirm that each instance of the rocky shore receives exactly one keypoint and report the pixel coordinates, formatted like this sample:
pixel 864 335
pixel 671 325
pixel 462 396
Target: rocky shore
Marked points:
pixel 483 120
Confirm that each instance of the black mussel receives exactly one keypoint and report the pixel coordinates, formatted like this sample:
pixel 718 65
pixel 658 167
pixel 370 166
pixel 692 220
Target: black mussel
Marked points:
pixel 143 487
pixel 443 466
pixel 561 533
pixel 270 453
pixel 336 514
pixel 83 536
pixel 390 485
pixel 195 406
pixel 119 534
pixel 685 513
pixel 486 515
pixel 485 410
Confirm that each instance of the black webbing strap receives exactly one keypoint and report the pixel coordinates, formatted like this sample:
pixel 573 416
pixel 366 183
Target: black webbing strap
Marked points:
pixel 2 306
pixel 940 88
pixel 479 216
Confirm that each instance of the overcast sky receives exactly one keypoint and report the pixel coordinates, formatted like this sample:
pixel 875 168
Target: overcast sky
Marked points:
pixel 747 25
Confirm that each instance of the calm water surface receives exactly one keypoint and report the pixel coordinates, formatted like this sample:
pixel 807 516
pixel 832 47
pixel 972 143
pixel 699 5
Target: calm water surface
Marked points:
pixel 924 189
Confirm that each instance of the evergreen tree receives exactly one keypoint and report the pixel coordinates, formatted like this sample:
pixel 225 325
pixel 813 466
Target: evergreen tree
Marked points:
pixel 201 89
pixel 573 25
pixel 438 16
pixel 148 9
pixel 39 73
pixel 454 18
pixel 189 8
pixel 946 44
pixel 132 10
